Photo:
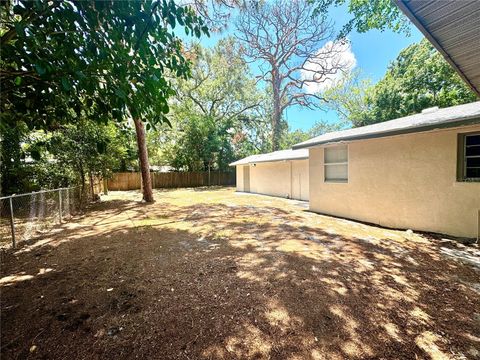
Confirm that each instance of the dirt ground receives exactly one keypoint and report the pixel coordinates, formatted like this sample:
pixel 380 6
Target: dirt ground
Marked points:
pixel 214 274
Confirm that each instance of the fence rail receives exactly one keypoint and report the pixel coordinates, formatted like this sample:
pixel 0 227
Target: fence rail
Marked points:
pixel 133 180
pixel 25 216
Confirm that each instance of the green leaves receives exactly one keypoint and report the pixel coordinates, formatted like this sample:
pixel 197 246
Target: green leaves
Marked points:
pixel 165 108
pixel 417 79
pixel 121 94
pixel 367 15
pixel 20 29
pixel 114 53
pixel 72 67
pixel 209 112
pixel 66 84
pixel 40 69
pixel 101 147
pixel 35 154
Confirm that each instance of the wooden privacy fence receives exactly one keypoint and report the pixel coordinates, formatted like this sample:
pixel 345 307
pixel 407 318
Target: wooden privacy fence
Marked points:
pixel 132 180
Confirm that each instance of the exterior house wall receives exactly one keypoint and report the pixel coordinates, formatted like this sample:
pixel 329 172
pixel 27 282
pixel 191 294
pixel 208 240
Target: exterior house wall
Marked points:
pixel 287 178
pixel 270 178
pixel 405 181
pixel 239 170
pixel 300 182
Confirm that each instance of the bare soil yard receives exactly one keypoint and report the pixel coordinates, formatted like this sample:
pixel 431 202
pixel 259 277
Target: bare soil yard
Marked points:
pixel 212 274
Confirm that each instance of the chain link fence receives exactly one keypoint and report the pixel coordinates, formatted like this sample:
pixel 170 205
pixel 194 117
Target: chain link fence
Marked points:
pixel 25 216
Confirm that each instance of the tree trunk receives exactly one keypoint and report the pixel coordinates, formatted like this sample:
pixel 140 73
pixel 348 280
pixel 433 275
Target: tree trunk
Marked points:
pixel 144 164
pixel 82 179
pixel 105 186
pixel 92 187
pixel 277 113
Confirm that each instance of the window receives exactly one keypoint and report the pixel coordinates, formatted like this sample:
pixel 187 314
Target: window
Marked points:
pixel 336 163
pixel 469 157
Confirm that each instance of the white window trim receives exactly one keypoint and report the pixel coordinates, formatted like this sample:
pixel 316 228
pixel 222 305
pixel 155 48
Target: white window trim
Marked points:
pixel 340 181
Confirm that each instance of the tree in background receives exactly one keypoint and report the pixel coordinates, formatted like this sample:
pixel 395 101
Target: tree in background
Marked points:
pixel 72 154
pixel 351 98
pixel 14 178
pixel 321 127
pixel 94 59
pixel 87 149
pixel 293 49
pixel 221 85
pixel 417 79
pixel 367 15
pixel 214 112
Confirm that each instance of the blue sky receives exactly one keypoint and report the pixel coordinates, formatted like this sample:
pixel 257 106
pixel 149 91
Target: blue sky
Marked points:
pixel 373 51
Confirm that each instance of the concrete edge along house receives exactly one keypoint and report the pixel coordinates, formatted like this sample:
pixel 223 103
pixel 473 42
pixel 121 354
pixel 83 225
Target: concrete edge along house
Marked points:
pixel 281 173
pixel 420 171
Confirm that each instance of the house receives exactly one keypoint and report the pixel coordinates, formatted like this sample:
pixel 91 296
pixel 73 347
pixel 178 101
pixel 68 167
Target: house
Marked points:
pixel 281 173
pixel 418 172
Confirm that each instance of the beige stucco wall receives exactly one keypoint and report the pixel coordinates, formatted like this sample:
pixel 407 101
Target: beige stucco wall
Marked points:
pixel 300 182
pixel 239 180
pixel 405 181
pixel 270 178
pixel 280 178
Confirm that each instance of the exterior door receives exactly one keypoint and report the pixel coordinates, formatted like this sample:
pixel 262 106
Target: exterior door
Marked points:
pixel 297 186
pixel 246 178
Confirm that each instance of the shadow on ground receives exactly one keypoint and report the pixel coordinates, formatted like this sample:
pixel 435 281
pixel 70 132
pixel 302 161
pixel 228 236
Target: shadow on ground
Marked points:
pixel 233 279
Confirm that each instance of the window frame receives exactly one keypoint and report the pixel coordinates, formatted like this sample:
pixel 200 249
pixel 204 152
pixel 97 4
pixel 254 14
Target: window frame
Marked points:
pixel 325 164
pixel 462 157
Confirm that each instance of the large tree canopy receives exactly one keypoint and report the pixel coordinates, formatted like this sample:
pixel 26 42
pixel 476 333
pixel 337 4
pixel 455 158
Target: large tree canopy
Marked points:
pixel 108 58
pixel 417 79
pixel 72 154
pixel 220 85
pixel 215 111
pixel 62 61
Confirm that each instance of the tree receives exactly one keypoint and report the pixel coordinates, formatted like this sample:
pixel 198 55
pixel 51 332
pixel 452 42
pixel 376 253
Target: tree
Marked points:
pixel 216 13
pixel 12 172
pixel 214 112
pixel 95 59
pixel 320 127
pixel 86 149
pixel 351 98
pixel 291 48
pixel 221 85
pixel 417 79
pixel 367 15
pixel 68 156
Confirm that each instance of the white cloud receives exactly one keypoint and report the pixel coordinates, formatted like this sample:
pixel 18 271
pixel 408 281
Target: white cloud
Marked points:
pixel 328 65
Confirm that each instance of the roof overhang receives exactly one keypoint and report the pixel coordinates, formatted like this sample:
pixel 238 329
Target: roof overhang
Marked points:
pixel 453 27
pixel 276 156
pixel 251 162
pixel 267 161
